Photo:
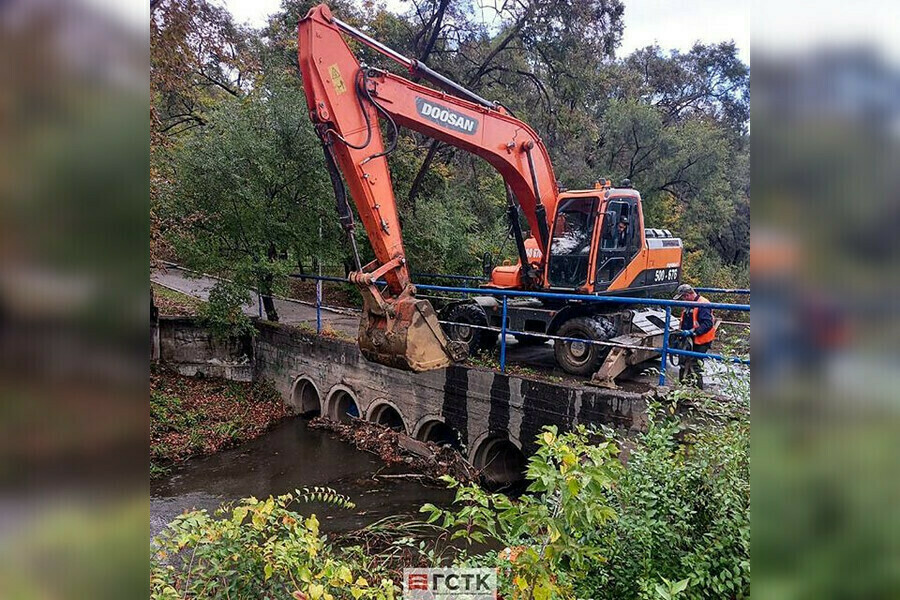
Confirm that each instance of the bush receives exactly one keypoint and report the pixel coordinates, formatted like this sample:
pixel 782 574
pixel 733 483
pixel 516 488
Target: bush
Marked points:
pixel 684 514
pixel 674 523
pixel 547 533
pixel 258 549
pixel 224 314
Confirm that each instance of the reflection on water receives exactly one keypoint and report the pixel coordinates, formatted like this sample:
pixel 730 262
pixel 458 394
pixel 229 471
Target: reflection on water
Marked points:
pixel 291 456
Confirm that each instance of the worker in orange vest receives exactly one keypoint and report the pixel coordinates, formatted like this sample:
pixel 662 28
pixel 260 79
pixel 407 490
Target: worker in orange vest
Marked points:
pixel 698 325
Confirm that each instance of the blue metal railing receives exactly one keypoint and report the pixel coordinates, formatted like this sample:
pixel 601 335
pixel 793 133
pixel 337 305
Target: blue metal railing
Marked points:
pixel 477 278
pixel 664 350
pixel 504 295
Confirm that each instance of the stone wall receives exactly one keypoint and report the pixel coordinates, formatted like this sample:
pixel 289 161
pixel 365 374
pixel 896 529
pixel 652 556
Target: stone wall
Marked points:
pixel 184 345
pixel 492 418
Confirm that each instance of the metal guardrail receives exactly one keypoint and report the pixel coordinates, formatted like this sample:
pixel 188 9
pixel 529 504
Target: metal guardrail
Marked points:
pixel 664 350
pixel 705 290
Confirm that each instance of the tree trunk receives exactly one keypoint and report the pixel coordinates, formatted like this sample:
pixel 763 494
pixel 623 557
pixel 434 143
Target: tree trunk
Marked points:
pixel 269 305
pixel 265 291
pixel 266 287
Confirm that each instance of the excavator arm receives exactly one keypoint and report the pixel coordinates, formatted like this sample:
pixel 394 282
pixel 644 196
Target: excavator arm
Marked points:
pixel 345 101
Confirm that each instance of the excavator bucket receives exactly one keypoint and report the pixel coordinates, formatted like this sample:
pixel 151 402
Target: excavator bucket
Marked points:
pixel 405 334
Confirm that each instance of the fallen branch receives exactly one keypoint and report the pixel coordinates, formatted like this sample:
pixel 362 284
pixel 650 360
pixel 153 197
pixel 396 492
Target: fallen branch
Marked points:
pixel 429 459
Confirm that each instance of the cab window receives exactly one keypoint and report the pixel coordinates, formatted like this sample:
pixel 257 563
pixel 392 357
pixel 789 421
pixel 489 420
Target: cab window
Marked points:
pixel 570 244
pixel 619 240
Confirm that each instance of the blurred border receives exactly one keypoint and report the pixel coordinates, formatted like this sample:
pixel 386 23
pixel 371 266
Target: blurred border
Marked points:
pixel 825 242
pixel 74 298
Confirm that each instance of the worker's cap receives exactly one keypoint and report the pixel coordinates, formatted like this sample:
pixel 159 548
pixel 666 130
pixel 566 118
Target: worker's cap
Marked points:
pixel 624 220
pixel 682 290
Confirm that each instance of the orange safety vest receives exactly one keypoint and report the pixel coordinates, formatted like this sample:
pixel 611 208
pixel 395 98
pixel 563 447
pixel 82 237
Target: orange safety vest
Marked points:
pixel 709 335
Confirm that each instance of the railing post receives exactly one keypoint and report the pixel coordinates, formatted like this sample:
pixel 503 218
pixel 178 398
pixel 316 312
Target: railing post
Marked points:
pixel 665 347
pixel 318 306
pixel 503 338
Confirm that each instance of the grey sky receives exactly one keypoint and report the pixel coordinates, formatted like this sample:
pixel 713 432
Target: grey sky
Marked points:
pixel 783 25
pixel 670 23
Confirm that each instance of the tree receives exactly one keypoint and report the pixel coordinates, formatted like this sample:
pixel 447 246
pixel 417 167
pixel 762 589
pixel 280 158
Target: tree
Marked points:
pixel 198 56
pixel 673 122
pixel 550 46
pixel 250 190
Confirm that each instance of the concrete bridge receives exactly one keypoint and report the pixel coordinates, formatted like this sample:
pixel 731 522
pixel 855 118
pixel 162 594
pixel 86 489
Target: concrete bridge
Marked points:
pixel 490 417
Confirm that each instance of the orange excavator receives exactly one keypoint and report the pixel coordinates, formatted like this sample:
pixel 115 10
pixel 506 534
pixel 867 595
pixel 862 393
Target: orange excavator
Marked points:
pixel 581 242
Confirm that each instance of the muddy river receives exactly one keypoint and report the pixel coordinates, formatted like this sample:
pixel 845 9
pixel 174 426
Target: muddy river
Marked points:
pixel 288 457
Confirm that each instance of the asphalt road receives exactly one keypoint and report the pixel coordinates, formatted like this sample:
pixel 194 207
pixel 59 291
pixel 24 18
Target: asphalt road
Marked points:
pixel 290 312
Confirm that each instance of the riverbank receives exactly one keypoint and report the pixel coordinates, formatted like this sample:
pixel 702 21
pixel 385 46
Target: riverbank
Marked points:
pixel 198 416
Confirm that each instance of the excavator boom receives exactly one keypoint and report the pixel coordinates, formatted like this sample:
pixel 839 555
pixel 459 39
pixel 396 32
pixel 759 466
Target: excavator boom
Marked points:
pixel 345 101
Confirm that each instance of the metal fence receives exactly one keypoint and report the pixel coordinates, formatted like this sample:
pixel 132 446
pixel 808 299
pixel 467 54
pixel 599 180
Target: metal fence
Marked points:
pixel 665 350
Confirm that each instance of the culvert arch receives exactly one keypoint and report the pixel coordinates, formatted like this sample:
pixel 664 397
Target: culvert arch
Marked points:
pixel 385 412
pixel 305 397
pixel 500 460
pixel 434 429
pixel 342 404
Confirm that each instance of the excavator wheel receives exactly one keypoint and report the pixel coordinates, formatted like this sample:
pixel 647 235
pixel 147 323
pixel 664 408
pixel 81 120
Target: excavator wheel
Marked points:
pixel 579 358
pixel 469 313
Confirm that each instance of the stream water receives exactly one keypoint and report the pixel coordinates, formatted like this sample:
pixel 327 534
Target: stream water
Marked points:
pixel 288 457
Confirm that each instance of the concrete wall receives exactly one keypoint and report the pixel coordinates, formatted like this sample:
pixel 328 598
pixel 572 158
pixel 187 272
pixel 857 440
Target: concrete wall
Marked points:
pixel 182 344
pixel 492 418
pixel 488 410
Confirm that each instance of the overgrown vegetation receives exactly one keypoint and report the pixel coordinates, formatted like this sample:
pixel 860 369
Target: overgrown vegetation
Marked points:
pixel 661 515
pixel 259 549
pixel 172 303
pixel 190 416
pixel 223 314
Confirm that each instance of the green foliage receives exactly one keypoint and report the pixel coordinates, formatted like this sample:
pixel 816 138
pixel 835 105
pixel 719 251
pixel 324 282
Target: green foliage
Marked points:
pixel 550 531
pixel 669 590
pixel 168 414
pixel 250 190
pixel 683 505
pixel 673 523
pixel 223 315
pixel 241 189
pixel 257 549
pixel 325 495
